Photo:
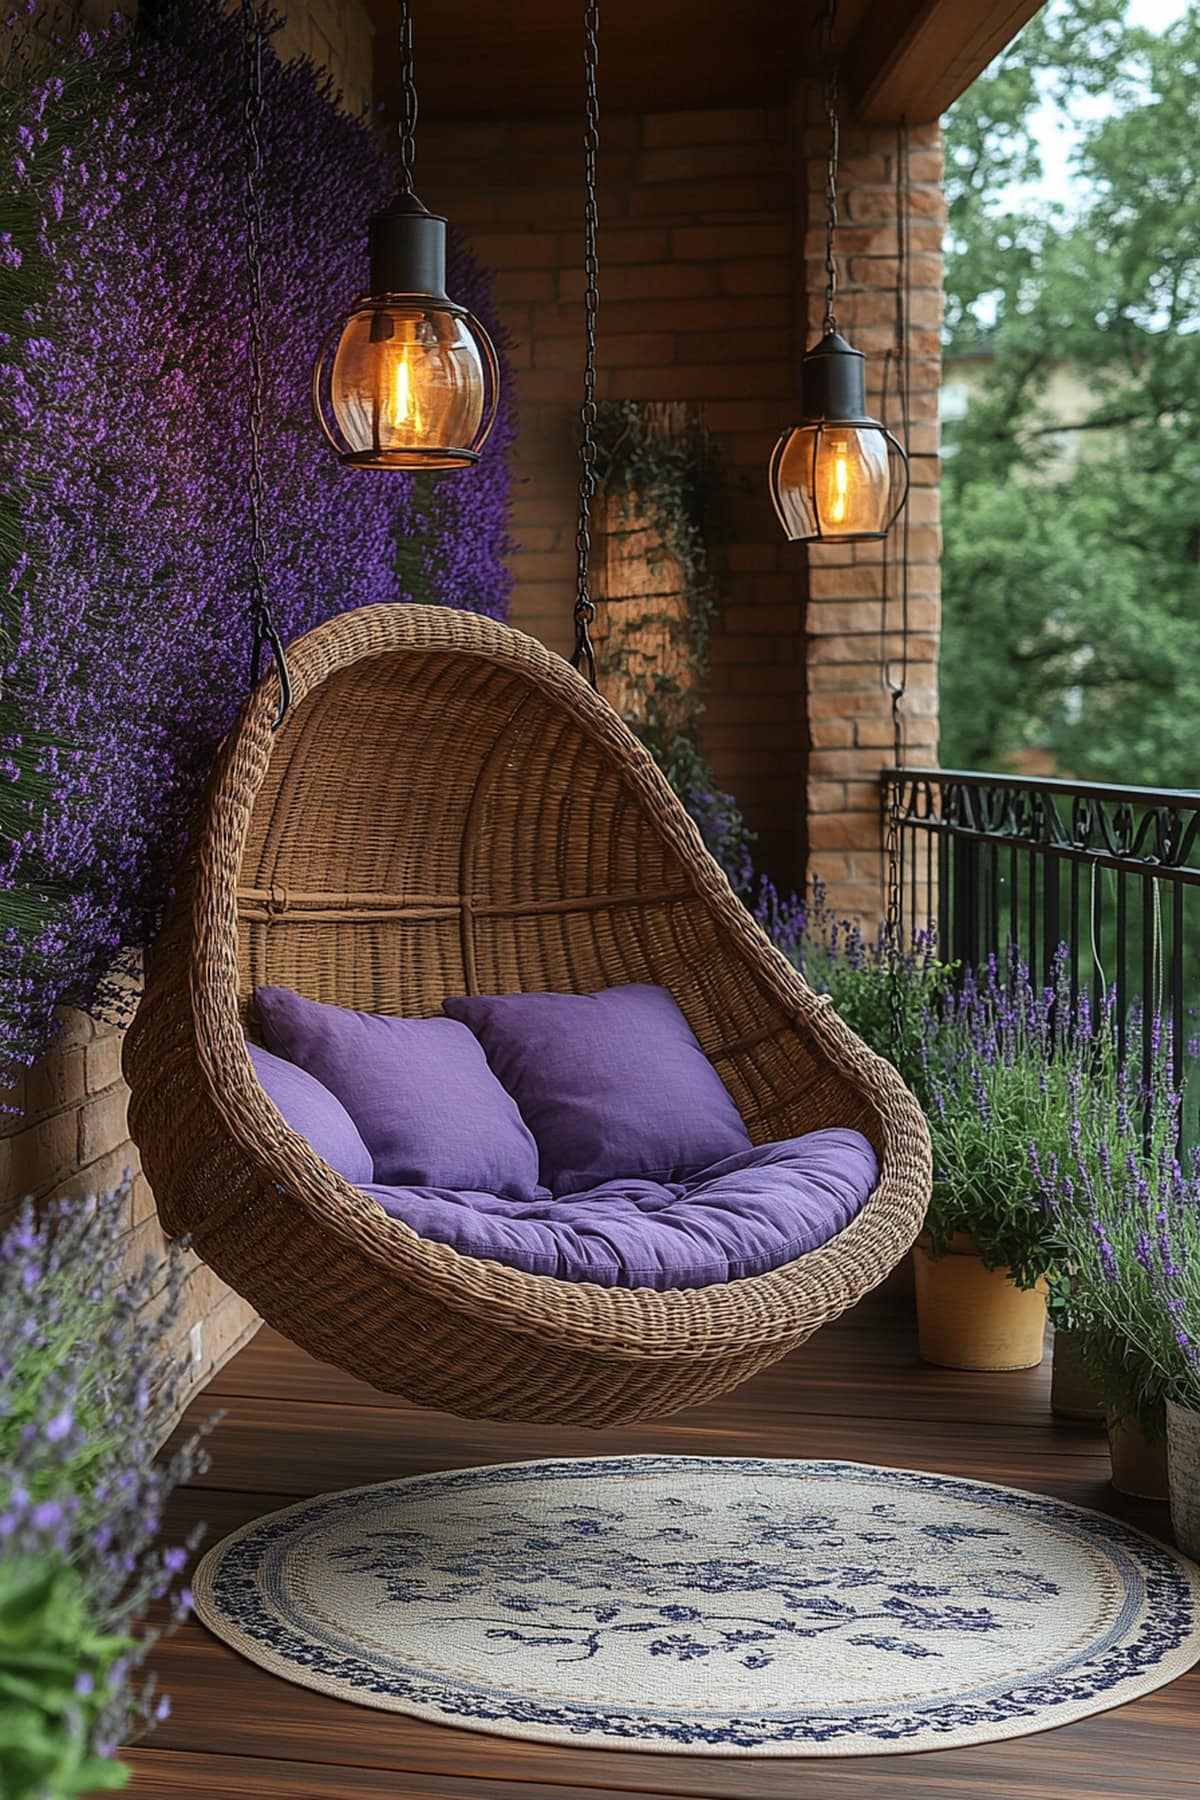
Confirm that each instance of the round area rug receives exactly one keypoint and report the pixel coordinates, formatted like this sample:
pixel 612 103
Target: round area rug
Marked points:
pixel 729 1606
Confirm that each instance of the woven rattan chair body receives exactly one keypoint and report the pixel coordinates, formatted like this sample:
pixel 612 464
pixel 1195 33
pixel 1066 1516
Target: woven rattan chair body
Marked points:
pixel 448 808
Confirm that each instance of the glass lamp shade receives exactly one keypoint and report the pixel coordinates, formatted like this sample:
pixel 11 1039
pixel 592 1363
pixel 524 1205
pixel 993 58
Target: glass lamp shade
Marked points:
pixel 414 385
pixel 839 474
pixel 837 479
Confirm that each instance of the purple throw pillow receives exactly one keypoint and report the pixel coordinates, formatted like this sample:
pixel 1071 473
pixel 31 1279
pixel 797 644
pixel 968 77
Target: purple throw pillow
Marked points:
pixel 315 1113
pixel 612 1085
pixel 427 1106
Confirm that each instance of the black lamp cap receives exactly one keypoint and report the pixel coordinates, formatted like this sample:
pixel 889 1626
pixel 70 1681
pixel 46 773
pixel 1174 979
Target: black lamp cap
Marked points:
pixel 833 382
pixel 408 250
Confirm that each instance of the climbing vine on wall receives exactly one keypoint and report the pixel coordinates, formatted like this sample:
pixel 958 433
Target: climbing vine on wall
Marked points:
pixel 123 499
pixel 660 486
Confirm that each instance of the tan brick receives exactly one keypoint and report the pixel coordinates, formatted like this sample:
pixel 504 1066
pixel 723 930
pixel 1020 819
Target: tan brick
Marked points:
pixel 117 1169
pixel 103 1124
pixel 34 1159
pixel 57 1081
pixel 843 831
pixel 735 196
pixel 861 581
pixel 103 1062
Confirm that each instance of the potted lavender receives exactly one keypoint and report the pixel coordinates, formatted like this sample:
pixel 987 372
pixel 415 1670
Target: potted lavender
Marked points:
pixel 88 1390
pixel 1010 1074
pixel 1127 1212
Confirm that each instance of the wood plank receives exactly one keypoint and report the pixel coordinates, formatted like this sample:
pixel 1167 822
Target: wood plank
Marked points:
pixel 524 61
pixel 160 1773
pixel 913 63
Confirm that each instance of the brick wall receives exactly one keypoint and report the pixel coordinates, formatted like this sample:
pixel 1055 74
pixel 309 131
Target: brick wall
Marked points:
pixel 64 1130
pixel 706 248
pixel 697 247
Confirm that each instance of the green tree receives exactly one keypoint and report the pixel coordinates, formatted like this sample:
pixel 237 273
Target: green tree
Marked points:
pixel 1072 567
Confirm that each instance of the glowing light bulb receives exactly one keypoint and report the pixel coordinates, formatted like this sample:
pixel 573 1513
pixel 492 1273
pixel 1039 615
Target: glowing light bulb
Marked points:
pixel 841 486
pixel 405 410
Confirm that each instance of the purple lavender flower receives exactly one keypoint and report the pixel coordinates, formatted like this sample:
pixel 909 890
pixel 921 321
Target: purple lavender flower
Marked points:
pixel 124 506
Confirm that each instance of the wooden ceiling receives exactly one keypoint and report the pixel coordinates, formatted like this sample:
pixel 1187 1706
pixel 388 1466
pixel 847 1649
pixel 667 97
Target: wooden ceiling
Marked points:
pixel 521 58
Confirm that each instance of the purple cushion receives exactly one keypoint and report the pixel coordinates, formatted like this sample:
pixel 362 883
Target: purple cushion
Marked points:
pixel 427 1106
pixel 750 1213
pixel 611 1085
pixel 315 1113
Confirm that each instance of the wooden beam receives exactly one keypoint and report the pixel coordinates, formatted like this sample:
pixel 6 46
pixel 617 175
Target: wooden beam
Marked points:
pixel 916 63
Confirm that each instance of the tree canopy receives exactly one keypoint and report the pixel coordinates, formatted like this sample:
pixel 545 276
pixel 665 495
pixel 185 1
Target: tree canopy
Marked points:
pixel 1072 545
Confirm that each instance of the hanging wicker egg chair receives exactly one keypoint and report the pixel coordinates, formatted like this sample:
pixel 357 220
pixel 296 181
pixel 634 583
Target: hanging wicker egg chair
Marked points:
pixel 448 808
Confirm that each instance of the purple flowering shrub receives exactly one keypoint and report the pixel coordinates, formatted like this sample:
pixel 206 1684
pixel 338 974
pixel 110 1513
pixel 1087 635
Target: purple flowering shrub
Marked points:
pixel 1126 1211
pixel 717 815
pixel 88 1390
pixel 885 1000
pixel 124 510
pixel 1013 1071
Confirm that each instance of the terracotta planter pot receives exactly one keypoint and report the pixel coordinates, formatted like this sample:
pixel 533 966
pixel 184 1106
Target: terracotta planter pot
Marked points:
pixel 1183 1465
pixel 1073 1393
pixel 1139 1463
pixel 969 1317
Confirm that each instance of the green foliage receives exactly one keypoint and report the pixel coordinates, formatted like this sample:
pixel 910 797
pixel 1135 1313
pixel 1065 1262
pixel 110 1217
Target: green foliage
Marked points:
pixel 659 459
pixel 90 1381
pixel 54 1686
pixel 1073 544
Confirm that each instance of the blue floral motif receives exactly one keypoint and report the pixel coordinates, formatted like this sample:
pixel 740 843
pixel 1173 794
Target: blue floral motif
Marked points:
pixel 491 1553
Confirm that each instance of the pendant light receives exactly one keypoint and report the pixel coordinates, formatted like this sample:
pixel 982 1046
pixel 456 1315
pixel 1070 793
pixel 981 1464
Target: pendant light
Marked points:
pixel 414 382
pixel 838 475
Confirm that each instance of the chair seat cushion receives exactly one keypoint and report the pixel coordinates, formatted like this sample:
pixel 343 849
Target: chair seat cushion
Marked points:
pixel 751 1212
pixel 610 1084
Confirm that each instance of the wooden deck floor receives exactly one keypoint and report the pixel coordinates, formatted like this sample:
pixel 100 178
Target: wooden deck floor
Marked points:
pixel 294 1427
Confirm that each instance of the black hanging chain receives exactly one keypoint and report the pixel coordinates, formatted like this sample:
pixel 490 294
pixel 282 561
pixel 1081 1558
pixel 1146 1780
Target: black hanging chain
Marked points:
pixel 408 100
pixel 829 62
pixel 264 632
pixel 584 653
pixel 897 685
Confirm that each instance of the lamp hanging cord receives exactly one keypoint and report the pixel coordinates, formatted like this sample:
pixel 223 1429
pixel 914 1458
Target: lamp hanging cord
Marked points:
pixel 897 685
pixel 584 653
pixel 828 57
pixel 264 632
pixel 408 100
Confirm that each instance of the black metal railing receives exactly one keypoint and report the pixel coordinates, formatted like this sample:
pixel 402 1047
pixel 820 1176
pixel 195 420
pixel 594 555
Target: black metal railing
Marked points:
pixel 1111 874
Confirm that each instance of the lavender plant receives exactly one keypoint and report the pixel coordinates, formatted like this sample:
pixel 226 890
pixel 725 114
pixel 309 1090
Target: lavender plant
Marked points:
pixel 1126 1211
pixel 124 530
pixel 88 1390
pixel 886 1000
pixel 1010 1071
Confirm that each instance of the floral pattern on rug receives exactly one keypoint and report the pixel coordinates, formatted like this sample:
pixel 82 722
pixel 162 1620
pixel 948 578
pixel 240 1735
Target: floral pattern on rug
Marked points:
pixel 732 1605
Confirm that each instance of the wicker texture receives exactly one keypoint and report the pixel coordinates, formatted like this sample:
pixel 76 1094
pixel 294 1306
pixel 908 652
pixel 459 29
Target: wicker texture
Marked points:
pixel 448 808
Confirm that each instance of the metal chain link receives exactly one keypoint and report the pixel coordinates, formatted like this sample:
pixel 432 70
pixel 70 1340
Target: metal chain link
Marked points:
pixel 584 653
pixel 829 61
pixel 264 633
pixel 408 101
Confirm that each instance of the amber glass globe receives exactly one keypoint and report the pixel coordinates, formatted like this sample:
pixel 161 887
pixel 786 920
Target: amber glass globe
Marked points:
pixel 832 480
pixel 413 385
